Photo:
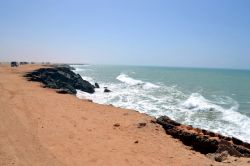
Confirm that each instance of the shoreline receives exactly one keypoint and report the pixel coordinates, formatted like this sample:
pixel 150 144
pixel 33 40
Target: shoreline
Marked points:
pixel 198 102
pixel 43 127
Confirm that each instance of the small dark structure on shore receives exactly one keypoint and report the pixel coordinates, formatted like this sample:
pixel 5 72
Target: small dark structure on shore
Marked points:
pixel 24 63
pixel 14 64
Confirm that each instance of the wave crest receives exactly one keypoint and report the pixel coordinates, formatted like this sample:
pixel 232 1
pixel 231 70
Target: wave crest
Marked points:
pixel 128 80
pixel 198 103
pixel 131 81
pixel 227 121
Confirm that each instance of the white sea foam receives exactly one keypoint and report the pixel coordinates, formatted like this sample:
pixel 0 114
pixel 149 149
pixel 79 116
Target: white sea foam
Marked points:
pixel 199 103
pixel 128 80
pixel 193 111
pixel 218 113
pixel 79 69
pixel 223 120
pixel 149 85
pixel 131 81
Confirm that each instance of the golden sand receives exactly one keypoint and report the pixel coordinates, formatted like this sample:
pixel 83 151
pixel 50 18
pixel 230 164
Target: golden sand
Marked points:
pixel 41 127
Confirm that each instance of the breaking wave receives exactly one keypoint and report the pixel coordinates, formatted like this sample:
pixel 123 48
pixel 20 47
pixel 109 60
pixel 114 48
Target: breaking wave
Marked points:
pixel 218 113
pixel 210 116
pixel 131 81
pixel 128 80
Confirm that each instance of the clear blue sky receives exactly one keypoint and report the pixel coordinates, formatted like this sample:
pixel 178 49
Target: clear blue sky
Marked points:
pixel 189 33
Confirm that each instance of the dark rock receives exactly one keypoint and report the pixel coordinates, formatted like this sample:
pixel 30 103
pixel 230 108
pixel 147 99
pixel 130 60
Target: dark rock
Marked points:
pixel 136 142
pixel 97 85
pixel 61 78
pixel 236 141
pixel 65 66
pixel 140 125
pixel 227 146
pixel 167 120
pixel 106 90
pixel 204 141
pixel 167 123
pixel 243 150
pixel 116 125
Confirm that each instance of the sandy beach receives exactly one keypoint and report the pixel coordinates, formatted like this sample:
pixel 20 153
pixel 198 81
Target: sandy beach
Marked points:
pixel 41 127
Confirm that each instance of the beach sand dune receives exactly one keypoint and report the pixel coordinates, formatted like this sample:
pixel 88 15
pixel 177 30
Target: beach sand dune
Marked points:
pixel 41 127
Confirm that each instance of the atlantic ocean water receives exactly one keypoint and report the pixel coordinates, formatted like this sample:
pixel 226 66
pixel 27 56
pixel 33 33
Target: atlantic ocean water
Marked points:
pixel 214 99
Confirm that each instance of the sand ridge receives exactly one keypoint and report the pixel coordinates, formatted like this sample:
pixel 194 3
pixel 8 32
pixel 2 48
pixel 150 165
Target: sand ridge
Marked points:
pixel 41 127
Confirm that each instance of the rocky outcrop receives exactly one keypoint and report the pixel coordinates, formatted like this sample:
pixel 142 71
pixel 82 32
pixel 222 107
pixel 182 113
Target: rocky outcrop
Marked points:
pixel 205 141
pixel 97 85
pixel 106 90
pixel 65 66
pixel 61 78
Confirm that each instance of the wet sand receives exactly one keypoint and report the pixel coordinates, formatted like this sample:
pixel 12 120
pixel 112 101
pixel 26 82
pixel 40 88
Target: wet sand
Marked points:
pixel 41 127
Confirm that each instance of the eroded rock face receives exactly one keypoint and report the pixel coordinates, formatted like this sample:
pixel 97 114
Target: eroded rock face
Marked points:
pixel 204 141
pixel 61 78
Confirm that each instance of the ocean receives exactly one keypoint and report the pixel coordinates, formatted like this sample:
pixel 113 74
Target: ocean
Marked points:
pixel 213 99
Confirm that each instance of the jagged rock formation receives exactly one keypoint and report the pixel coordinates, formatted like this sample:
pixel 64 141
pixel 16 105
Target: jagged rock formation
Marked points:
pixel 205 141
pixel 61 78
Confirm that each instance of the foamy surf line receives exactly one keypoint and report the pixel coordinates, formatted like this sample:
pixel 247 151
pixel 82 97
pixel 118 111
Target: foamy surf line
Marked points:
pixel 131 81
pixel 192 109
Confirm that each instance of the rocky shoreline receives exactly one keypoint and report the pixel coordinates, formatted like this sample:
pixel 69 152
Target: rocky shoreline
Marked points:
pixel 214 145
pixel 61 78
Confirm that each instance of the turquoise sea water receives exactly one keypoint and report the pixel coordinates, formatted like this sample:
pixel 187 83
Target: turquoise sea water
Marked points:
pixel 213 99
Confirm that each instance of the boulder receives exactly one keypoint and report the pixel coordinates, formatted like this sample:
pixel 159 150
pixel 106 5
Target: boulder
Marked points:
pixel 106 90
pixel 97 85
pixel 141 125
pixel 61 78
